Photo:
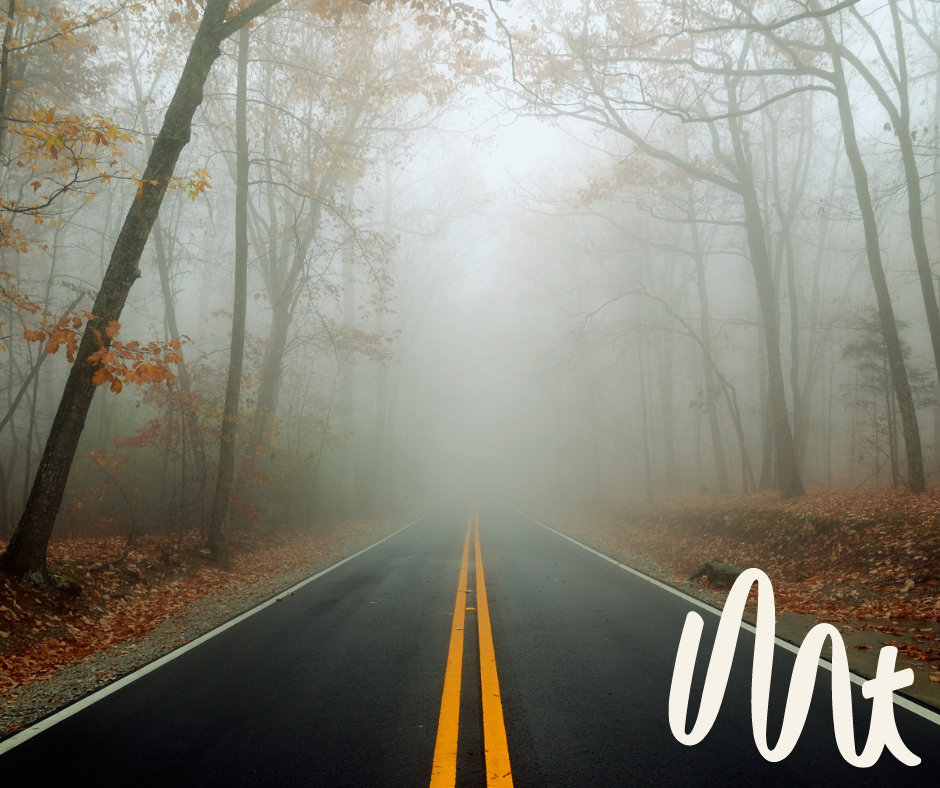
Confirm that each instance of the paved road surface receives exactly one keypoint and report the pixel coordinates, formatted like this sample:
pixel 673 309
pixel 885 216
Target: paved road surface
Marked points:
pixel 342 684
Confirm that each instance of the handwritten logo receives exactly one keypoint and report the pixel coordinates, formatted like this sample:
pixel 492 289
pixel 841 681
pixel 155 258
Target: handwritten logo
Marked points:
pixel 883 731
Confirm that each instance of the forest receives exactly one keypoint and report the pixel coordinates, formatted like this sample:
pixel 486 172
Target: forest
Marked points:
pixel 272 269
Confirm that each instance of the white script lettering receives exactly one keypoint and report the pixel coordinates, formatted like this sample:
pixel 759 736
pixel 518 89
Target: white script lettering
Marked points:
pixel 883 731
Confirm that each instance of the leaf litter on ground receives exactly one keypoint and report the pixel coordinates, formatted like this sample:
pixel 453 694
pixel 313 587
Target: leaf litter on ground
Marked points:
pixel 865 556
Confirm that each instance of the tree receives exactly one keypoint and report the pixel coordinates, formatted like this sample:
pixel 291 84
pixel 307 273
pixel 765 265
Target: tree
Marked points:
pixel 47 153
pixel 795 50
pixel 876 398
pixel 899 113
pixel 611 66
pixel 220 19
pixel 219 520
pixel 26 552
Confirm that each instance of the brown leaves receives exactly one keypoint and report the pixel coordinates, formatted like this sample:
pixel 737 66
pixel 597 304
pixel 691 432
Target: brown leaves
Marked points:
pixel 838 554
pixel 134 362
pixel 116 363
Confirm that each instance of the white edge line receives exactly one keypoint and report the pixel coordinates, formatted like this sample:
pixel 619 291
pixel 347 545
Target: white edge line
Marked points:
pixel 88 700
pixel 904 703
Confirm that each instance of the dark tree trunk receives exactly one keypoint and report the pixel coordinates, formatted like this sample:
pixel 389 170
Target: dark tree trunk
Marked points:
pixel 902 388
pixel 27 549
pixel 5 75
pixel 221 505
pixel 788 475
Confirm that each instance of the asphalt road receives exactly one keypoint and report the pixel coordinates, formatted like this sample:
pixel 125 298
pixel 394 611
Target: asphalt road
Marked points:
pixel 341 684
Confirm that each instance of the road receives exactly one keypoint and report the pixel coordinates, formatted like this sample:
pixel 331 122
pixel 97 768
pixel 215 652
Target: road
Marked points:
pixel 562 668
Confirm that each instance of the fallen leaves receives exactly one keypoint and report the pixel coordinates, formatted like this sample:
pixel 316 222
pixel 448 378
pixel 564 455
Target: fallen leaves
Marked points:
pixel 838 554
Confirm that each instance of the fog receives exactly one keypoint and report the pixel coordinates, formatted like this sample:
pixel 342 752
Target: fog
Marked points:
pixel 570 254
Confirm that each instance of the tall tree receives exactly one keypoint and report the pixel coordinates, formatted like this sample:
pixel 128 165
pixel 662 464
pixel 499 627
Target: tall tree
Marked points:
pixel 610 66
pixel 899 113
pixel 795 49
pixel 26 552
pixel 221 505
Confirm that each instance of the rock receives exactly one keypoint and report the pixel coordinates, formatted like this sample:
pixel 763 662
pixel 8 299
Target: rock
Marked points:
pixel 719 574
pixel 67 587
pixel 44 580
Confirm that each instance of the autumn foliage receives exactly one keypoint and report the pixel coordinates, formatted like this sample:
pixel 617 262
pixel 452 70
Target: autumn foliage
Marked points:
pixel 118 364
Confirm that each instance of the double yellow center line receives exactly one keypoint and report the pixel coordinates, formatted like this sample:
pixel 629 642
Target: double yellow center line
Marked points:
pixel 444 770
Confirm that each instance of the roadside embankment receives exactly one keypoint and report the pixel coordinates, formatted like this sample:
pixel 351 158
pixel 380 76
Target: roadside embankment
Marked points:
pixel 138 604
pixel 867 561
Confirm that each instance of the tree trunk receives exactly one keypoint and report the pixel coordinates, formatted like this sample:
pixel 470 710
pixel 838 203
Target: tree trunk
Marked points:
pixel 219 520
pixel 915 464
pixel 262 422
pixel 936 222
pixel 786 216
pixel 647 464
pixel 664 369
pixel 814 350
pixel 699 470
pixel 787 472
pixel 27 549
pixel 5 76
pixel 766 423
pixel 381 376
pixel 346 393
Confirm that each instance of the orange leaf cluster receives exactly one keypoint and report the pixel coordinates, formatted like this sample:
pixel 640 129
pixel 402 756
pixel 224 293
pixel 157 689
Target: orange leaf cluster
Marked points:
pixel 117 363
pixel 134 362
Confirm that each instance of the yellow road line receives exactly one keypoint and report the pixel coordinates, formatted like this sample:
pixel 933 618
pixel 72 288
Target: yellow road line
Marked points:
pixel 498 772
pixel 444 770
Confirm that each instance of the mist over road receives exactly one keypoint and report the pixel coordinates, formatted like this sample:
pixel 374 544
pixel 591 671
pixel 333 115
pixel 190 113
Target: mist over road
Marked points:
pixel 342 683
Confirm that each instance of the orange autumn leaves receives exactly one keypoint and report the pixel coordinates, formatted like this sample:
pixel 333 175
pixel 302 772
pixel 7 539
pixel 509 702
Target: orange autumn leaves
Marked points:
pixel 55 154
pixel 62 332
pixel 133 362
pixel 116 363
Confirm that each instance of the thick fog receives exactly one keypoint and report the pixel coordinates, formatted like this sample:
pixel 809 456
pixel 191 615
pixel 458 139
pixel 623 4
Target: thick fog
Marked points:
pixel 569 253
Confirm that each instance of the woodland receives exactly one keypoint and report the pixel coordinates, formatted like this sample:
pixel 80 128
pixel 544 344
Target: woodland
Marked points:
pixel 268 267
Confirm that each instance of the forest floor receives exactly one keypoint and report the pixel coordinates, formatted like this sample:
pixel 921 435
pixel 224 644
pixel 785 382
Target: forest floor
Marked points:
pixel 138 604
pixel 867 561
